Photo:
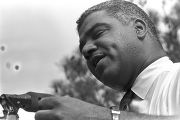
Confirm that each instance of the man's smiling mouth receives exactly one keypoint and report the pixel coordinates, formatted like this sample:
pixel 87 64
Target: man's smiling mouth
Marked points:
pixel 95 59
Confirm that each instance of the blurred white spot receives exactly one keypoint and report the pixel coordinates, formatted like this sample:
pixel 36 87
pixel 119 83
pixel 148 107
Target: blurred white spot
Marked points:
pixel 17 67
pixel 3 48
pixel 8 65
pixel 163 27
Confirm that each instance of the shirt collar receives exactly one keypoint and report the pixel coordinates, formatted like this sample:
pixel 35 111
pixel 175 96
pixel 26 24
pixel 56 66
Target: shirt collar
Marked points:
pixel 146 78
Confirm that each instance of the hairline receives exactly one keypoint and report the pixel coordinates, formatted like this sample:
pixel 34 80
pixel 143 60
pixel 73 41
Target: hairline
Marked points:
pixel 118 15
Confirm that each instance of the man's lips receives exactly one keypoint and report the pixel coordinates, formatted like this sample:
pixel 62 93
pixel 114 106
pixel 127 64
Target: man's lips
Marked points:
pixel 95 59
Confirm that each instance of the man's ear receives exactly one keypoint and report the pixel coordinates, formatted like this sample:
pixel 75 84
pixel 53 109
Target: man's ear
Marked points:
pixel 140 28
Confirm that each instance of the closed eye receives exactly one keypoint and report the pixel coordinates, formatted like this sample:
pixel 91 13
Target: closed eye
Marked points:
pixel 97 34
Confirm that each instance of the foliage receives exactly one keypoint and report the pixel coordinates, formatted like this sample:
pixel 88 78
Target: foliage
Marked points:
pixel 171 37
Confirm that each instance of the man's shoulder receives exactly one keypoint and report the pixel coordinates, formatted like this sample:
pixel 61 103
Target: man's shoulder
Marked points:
pixel 175 70
pixel 170 72
pixel 166 90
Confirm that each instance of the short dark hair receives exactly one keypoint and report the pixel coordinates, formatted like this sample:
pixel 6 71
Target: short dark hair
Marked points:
pixel 124 11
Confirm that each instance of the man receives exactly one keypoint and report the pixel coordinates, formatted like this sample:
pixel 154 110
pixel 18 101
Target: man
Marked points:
pixel 123 51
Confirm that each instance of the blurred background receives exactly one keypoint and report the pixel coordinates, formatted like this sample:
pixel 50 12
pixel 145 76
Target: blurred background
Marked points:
pixel 39 47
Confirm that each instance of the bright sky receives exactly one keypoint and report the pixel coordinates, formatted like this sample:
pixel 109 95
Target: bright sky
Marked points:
pixel 35 35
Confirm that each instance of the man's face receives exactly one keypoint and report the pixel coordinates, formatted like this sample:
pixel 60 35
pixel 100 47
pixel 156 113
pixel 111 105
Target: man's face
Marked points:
pixel 109 48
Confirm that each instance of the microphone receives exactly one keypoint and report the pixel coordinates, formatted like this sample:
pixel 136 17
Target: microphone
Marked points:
pixel 28 101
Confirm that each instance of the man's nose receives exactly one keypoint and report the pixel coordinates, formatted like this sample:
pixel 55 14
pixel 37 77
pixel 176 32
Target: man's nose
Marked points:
pixel 88 50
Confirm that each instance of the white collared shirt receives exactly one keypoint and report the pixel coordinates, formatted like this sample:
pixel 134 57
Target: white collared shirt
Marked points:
pixel 158 89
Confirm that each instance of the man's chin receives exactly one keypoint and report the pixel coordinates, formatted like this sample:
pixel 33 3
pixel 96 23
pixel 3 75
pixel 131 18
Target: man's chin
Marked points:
pixel 111 82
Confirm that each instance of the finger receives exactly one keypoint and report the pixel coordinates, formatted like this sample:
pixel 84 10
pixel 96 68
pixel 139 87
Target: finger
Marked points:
pixel 43 115
pixel 49 103
pixel 48 115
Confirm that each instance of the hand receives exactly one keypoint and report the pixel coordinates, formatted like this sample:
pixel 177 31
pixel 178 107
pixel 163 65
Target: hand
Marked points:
pixel 67 108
